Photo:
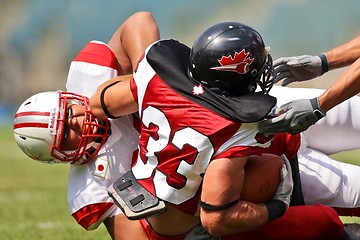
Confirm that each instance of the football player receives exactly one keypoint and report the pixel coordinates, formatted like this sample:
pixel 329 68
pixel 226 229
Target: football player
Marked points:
pixel 94 165
pixel 212 94
pixel 91 204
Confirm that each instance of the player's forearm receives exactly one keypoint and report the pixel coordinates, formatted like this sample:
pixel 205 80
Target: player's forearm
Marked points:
pixel 346 86
pixel 344 55
pixel 244 216
pixel 247 216
pixel 113 99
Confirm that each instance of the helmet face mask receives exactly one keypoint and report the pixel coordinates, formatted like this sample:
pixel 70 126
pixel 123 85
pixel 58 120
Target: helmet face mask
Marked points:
pixel 94 131
pixel 40 127
pixel 266 76
pixel 231 58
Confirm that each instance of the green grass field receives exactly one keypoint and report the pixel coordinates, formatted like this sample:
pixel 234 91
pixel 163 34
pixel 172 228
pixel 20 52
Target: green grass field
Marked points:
pixel 33 197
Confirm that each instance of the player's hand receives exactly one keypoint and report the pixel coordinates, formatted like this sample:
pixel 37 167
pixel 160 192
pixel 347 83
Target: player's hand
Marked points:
pixel 284 191
pixel 299 68
pixel 295 117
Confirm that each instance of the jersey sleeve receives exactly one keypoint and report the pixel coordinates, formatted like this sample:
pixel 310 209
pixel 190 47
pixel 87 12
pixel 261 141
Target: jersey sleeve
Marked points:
pixel 88 200
pixel 91 216
pixel 133 89
pixel 95 64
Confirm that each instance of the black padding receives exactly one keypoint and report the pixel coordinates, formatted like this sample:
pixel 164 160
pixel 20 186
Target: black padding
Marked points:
pixel 297 196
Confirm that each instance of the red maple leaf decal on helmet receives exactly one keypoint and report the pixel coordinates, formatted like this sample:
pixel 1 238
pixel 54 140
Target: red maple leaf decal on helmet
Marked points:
pixel 240 63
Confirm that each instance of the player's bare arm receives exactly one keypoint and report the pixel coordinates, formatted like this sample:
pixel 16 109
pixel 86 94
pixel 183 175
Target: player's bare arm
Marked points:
pixel 346 86
pixel 222 190
pixel 121 228
pixel 113 99
pixel 300 68
pixel 223 182
pixel 132 38
pixel 114 80
pixel 173 222
pixel 344 55
pixel 307 67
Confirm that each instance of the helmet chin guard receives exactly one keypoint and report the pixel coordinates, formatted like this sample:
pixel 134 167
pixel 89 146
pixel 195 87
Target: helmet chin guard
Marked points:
pixel 39 126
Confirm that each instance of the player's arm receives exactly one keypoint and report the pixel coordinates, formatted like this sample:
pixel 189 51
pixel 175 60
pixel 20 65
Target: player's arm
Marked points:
pixel 114 80
pixel 346 86
pixel 132 38
pixel 306 67
pixel 344 55
pixel 113 99
pixel 223 183
pixel 222 211
pixel 121 228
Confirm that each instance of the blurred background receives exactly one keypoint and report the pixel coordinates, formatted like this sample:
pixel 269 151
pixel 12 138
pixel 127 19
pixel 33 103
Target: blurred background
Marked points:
pixel 39 38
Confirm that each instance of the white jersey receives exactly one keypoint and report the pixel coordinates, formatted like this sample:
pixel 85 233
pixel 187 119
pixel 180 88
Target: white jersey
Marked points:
pixel 88 200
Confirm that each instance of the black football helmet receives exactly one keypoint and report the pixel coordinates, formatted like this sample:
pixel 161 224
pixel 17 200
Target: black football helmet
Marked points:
pixel 230 58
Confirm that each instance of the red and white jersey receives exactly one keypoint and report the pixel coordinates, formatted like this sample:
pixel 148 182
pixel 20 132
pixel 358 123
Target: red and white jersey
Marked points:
pixel 88 200
pixel 184 126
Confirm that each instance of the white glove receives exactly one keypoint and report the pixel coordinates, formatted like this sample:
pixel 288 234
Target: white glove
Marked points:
pixel 284 191
pixel 299 68
pixel 296 116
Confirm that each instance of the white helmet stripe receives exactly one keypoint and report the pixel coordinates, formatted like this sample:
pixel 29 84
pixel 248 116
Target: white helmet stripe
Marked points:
pixel 32 119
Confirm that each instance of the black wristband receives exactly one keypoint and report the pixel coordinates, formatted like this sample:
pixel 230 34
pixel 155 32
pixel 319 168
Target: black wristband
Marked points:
pixel 317 110
pixel 276 209
pixel 102 102
pixel 324 63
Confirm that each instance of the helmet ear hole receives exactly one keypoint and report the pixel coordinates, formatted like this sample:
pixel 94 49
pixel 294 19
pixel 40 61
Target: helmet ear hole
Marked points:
pixel 254 72
pixel 33 122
